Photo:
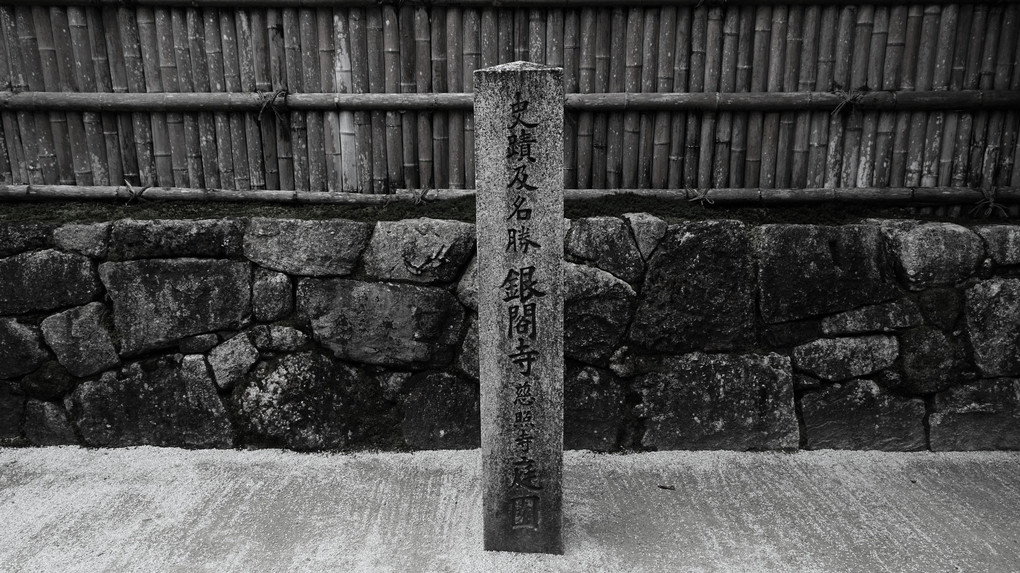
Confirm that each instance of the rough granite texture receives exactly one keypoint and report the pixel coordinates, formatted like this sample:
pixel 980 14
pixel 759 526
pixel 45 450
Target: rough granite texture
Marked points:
pixel 816 336
pixel 605 243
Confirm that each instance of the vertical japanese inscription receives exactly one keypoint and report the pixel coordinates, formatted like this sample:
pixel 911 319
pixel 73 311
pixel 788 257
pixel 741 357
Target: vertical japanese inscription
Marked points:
pixel 519 150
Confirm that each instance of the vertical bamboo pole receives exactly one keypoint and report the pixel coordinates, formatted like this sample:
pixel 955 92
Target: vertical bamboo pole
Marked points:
pixel 266 120
pixel 770 123
pixel 84 77
pixel 681 81
pixel 805 82
pixel 712 63
pixel 344 84
pixel 47 57
pixel 167 60
pixel 759 83
pixel 617 83
pixel 536 35
pixel 329 156
pixel 859 58
pixel 600 122
pixel 865 176
pixel 394 148
pixel 100 66
pixel 507 37
pixel 472 62
pixel 632 84
pixel 925 58
pixel 585 84
pixel 298 135
pixel 1007 74
pixel 791 78
pixel 232 83
pixel 962 172
pixel 149 43
pixel 742 83
pixel 819 136
pixel 200 83
pixel 192 140
pixel 34 125
pixel 310 83
pixel 440 123
pixel 454 83
pixel 521 29
pixel 985 134
pixel 246 84
pixel 727 84
pixel 423 84
pixel 955 82
pixel 891 74
pixel 278 84
pixel 648 84
pixel 572 150
pixel 377 84
pixel 221 121
pixel 128 141
pixel 939 82
pixel 901 139
pixel 842 61
pixel 72 121
pixel 12 80
pixel 408 122
pixel 696 83
pixel 664 84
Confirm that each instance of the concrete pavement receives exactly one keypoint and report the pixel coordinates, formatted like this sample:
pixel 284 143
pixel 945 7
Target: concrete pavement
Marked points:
pixel 152 509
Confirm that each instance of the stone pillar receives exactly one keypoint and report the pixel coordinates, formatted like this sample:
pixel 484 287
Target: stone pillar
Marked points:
pixel 519 179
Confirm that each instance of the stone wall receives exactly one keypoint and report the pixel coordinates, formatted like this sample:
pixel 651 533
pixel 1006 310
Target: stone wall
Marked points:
pixel 313 335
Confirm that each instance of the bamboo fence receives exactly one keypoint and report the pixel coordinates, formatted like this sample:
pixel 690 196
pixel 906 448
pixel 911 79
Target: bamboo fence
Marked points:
pixel 345 97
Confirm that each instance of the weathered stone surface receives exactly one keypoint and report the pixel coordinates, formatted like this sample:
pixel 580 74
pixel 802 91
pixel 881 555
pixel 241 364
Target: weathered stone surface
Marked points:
pixel 711 402
pixel 933 254
pixel 166 238
pixel 648 231
pixel 1002 242
pixel 596 313
pixel 278 338
pixel 272 295
pixel 941 307
pixel 844 358
pixel 231 360
pixel 45 280
pixel 811 270
pixel 980 416
pixel 50 381
pixel 382 323
pixel 805 382
pixel 168 401
pixel 858 415
pixel 23 236
pixel 156 302
pixel 392 384
pixel 797 332
pixel 605 243
pixel 309 401
pixel 311 248
pixel 441 412
pixel 932 361
pixel 47 424
pixel 80 339
pixel 21 349
pixel 467 360
pixel 419 250
pixel 198 344
pixel 699 290
pixel 467 288
pixel 887 317
pixel 993 324
pixel 12 415
pixel 593 409
pixel 85 239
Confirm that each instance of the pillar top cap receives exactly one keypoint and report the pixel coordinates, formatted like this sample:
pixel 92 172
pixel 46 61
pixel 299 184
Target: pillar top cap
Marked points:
pixel 518 66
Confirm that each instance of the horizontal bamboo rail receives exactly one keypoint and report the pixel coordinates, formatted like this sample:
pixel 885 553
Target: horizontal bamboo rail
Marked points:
pixel 915 196
pixel 469 3
pixel 601 102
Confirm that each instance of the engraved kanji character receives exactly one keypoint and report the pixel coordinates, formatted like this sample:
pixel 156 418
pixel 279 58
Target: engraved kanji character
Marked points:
pixel 519 212
pixel 517 109
pixel 524 439
pixel 520 240
pixel 520 179
pixel 523 358
pixel 519 145
pixel 524 512
pixel 522 320
pixel 520 284
pixel 526 474
pixel 524 417
pixel 524 396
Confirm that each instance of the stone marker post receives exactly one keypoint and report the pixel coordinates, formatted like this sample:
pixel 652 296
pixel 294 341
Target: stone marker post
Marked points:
pixel 519 179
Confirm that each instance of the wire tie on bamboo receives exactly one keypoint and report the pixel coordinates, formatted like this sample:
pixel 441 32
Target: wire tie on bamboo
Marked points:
pixel 700 195
pixel 851 98
pixel 271 103
pixel 987 205
pixel 135 195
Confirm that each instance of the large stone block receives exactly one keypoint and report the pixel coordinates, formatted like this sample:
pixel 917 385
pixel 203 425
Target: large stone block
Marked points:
pixel 810 270
pixel 157 302
pixel 467 287
pixel 984 415
pixel 80 339
pixel 419 250
pixel 231 360
pixel 382 323
pixel 21 349
pixel 309 401
pixel 933 254
pixel 310 248
pixel 605 243
pixel 597 309
pixel 49 382
pixel 992 311
pixel 17 237
pixel 45 280
pixel 169 401
pixel 858 415
pixel 844 358
pixel 47 424
pixel 1002 243
pixel 467 360
pixel 272 295
pixel 719 402
pixel 88 239
pixel 441 412
pixel 167 238
pixel 274 338
pixel 886 317
pixel 932 361
pixel 593 409
pixel 648 231
pixel 699 290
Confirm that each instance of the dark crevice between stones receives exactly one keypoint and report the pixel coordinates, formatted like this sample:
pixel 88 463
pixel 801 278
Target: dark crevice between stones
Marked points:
pixel 632 426
pixel 929 409
pixel 798 410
